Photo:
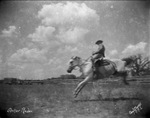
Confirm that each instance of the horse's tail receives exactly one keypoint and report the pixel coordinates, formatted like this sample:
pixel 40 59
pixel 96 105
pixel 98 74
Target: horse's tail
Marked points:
pixel 128 60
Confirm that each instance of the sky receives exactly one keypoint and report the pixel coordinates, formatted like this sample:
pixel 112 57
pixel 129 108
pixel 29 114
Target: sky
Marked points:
pixel 37 38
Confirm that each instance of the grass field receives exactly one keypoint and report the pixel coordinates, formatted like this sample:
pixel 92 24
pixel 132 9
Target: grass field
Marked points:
pixel 110 99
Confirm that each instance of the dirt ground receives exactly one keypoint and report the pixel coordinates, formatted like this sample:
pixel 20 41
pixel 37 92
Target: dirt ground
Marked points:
pixel 55 100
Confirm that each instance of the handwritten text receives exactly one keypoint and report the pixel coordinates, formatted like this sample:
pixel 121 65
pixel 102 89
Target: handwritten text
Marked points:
pixel 22 110
pixel 136 109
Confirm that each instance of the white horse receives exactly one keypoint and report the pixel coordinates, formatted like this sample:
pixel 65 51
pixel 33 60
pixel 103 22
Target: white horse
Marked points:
pixel 115 68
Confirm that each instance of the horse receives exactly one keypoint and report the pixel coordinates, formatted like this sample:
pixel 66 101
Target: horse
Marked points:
pixel 116 68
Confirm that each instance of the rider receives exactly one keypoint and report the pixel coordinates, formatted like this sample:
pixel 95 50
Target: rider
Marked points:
pixel 99 54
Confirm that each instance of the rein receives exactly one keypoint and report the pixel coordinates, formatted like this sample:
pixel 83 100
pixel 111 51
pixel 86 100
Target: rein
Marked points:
pixel 85 60
pixel 88 58
pixel 74 67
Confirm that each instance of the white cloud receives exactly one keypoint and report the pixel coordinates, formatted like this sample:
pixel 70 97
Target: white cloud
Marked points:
pixel 71 13
pixel 42 34
pixel 138 48
pixel 10 35
pixel 113 52
pixel 1 65
pixel 67 23
pixel 54 61
pixel 11 31
pixel 72 35
pixel 39 74
pixel 74 49
pixel 67 49
pixel 26 70
pixel 26 55
pixel 0 56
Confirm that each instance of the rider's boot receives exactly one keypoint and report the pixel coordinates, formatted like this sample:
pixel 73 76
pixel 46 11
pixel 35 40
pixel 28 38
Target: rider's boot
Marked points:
pixel 94 68
pixel 96 72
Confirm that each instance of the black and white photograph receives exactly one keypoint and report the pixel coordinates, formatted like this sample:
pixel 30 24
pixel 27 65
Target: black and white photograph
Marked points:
pixel 75 59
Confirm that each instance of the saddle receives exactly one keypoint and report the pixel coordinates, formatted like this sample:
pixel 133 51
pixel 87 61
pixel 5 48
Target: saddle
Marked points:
pixel 102 62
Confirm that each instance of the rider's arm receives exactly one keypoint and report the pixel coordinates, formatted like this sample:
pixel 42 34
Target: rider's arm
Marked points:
pixel 99 49
pixel 96 52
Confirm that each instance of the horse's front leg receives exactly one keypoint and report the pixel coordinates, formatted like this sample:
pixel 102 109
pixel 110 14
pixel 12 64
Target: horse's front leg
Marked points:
pixel 79 88
pixel 82 84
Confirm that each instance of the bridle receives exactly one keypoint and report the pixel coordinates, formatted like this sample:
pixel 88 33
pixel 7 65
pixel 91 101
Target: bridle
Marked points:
pixel 79 65
pixel 82 62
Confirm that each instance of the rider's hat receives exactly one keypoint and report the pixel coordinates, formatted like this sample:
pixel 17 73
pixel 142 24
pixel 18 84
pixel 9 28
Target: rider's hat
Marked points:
pixel 99 42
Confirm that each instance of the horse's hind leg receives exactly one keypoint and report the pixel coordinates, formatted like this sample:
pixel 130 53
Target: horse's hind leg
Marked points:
pixel 124 75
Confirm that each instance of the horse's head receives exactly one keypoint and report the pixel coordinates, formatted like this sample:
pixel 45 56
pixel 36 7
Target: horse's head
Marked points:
pixel 74 62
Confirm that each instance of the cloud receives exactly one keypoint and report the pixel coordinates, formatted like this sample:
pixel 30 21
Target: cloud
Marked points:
pixel 113 52
pixel 42 34
pixel 10 35
pixel 11 31
pixel 54 61
pixel 67 49
pixel 0 56
pixel 27 63
pixel 71 13
pixel 66 23
pixel 72 35
pixel 138 48
pixel 26 55
pixel 1 64
pixel 39 74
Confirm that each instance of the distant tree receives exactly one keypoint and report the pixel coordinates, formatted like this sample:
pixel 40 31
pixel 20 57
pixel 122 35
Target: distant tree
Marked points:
pixel 72 76
pixel 140 66
pixel 80 77
pixel 68 76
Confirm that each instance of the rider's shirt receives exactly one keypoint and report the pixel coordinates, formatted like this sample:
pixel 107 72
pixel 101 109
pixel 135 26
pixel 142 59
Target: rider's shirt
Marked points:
pixel 101 50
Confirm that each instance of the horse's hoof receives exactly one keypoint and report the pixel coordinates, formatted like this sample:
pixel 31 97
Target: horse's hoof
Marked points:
pixel 75 96
pixel 126 83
